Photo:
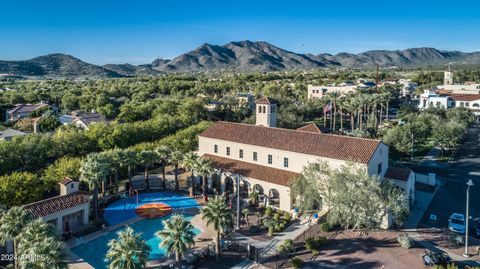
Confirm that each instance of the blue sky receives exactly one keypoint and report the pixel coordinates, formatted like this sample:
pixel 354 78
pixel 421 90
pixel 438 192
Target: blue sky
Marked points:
pixel 138 31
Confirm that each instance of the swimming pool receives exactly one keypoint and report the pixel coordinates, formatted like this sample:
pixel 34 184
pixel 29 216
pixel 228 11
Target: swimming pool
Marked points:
pixel 93 252
pixel 124 209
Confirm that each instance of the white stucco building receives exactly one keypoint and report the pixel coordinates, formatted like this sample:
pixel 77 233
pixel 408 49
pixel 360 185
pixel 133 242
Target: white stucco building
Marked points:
pixel 265 158
pixel 441 98
pixel 68 211
pixel 318 92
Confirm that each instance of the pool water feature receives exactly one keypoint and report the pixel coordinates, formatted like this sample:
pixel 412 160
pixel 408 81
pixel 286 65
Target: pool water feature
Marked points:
pixel 124 209
pixel 93 252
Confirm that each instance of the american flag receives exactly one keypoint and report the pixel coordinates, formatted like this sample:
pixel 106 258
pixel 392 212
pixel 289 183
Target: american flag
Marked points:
pixel 327 108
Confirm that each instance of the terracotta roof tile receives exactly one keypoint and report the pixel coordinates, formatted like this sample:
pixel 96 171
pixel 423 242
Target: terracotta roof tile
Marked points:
pixel 465 97
pixel 260 172
pixel 266 101
pixel 66 180
pixel 398 173
pixel 314 128
pixel 323 145
pixel 57 204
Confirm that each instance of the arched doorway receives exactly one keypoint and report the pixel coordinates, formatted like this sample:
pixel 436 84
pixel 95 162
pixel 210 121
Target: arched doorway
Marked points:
pixel 229 185
pixel 244 189
pixel 273 198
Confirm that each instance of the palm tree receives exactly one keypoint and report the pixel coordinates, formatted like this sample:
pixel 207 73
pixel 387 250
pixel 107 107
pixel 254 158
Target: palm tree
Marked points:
pixel 127 251
pixel 341 108
pixel 333 97
pixel 147 158
pixel 130 160
pixel 177 235
pixel 190 162
pixel 93 170
pixel 176 158
pixel 204 168
pixel 217 213
pixel 163 153
pixel 38 239
pixel 12 224
pixel 387 97
pixel 115 157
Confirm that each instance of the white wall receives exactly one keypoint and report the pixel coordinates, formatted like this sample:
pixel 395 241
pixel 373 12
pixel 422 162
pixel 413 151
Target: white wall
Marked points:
pixel 316 92
pixel 58 216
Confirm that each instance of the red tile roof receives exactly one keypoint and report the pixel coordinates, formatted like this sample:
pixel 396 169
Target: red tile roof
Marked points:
pixel 56 204
pixel 66 181
pixel 266 101
pixel 260 172
pixel 465 97
pixel 398 173
pixel 314 128
pixel 323 145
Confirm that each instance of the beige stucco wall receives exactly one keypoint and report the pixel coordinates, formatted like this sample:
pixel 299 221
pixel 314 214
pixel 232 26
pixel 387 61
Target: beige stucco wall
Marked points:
pixel 58 216
pixel 296 161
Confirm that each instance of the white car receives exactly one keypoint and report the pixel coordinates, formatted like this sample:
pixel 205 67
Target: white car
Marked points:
pixel 456 223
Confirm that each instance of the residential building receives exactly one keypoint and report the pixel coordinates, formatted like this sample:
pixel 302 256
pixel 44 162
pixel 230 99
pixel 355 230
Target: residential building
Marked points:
pixel 440 98
pixel 23 110
pixel 264 158
pixel 67 212
pixel 83 119
pixel 318 92
pixel 9 133
pixel 464 88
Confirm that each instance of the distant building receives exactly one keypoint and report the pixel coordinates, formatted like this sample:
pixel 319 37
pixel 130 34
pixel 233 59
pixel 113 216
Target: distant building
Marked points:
pixel 9 134
pixel 247 99
pixel 465 88
pixel 318 92
pixel 438 98
pixel 23 110
pixel 83 119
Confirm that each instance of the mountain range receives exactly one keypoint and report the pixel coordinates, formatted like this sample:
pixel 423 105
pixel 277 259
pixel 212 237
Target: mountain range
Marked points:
pixel 234 56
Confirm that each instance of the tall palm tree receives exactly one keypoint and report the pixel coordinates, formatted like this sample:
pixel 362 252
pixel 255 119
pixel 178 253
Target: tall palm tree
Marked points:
pixel 130 160
pixel 217 213
pixel 204 168
pixel 333 97
pixel 115 157
pixel 147 158
pixel 360 101
pixel 176 158
pixel 341 105
pixel 127 251
pixel 177 235
pixel 387 98
pixel 163 153
pixel 190 162
pixel 38 239
pixel 93 171
pixel 12 224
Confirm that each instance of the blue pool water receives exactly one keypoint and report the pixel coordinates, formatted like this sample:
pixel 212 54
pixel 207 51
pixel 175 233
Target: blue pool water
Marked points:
pixel 93 252
pixel 124 209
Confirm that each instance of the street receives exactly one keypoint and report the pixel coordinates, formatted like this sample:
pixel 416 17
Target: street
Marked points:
pixel 451 196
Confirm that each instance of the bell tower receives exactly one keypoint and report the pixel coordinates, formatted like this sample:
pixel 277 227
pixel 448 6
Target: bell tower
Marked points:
pixel 266 112
pixel 448 77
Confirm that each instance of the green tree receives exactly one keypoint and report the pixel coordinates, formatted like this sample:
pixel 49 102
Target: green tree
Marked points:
pixel 48 123
pixel 218 214
pixel 127 251
pixel 175 158
pixel 20 188
pixel 130 160
pixel 163 153
pixel 65 167
pixel 93 171
pixel 177 236
pixel 147 159
pixel 12 224
pixel 39 240
pixel 204 168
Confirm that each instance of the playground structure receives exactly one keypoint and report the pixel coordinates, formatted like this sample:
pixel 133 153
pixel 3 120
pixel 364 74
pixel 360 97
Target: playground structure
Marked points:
pixel 132 192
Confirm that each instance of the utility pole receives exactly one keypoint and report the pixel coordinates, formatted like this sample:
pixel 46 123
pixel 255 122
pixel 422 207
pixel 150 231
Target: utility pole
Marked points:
pixel 467 217
pixel 376 81
pixel 411 157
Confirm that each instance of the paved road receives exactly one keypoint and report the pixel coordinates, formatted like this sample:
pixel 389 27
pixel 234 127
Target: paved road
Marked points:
pixel 451 197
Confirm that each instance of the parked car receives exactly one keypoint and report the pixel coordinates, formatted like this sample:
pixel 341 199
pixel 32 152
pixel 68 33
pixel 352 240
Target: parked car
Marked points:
pixel 433 258
pixel 456 223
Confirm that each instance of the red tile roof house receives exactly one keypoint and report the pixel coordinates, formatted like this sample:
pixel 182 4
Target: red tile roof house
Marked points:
pixel 69 210
pixel 23 111
pixel 266 157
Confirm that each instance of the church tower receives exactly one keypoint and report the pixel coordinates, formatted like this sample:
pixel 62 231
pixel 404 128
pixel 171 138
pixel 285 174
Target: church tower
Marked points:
pixel 448 77
pixel 266 111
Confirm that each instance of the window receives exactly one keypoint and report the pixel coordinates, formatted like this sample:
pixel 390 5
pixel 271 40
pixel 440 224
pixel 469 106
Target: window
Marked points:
pixel 215 148
pixel 439 104
pixel 461 104
pixel 71 186
pixel 379 168
pixel 228 151
pixel 264 109
pixel 467 104
pixel 285 162
pixel 240 154
pixel 255 156
pixel 259 109
pixel 270 159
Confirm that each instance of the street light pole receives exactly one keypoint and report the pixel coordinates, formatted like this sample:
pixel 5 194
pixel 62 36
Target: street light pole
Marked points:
pixel 467 217
pixel 238 202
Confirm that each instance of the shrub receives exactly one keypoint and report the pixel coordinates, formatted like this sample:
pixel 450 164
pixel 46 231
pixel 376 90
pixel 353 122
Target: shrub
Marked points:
pixel 405 241
pixel 254 229
pixel 270 231
pixel 276 216
pixel 312 246
pixel 296 262
pixel 286 246
pixel 325 227
pixel 268 212
pixel 287 217
pixel 322 240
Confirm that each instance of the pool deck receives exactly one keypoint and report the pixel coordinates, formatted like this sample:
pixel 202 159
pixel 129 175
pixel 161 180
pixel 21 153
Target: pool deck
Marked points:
pixel 201 240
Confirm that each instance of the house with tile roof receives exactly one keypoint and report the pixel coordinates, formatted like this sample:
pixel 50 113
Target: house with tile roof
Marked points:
pixel 67 212
pixel 264 158
pixel 448 99
pixel 23 110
